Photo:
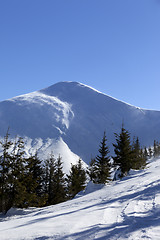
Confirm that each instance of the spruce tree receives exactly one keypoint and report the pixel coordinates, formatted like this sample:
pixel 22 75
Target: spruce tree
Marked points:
pixel 59 184
pixel 144 158
pixel 5 168
pixel 50 178
pixel 76 179
pixel 156 149
pixel 102 166
pixel 136 154
pixel 91 170
pixel 35 181
pixel 139 159
pixel 34 175
pixel 123 152
pixel 145 154
pixel 150 152
pixel 13 190
pixel 18 190
pixel 30 184
pixel 81 176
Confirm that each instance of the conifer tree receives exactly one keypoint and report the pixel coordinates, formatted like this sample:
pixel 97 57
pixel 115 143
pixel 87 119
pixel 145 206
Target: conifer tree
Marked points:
pixel 81 175
pixel 144 158
pixel 30 184
pixel 150 152
pixel 139 160
pixel 123 152
pixel 156 149
pixel 59 184
pixel 76 179
pixel 145 154
pixel 5 167
pixel 91 170
pixel 12 171
pixel 50 178
pixel 101 165
pixel 37 173
pixel 35 181
pixel 17 173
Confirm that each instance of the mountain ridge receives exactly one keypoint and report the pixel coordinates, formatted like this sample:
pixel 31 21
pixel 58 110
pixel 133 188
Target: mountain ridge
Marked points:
pixel 91 88
pixel 79 115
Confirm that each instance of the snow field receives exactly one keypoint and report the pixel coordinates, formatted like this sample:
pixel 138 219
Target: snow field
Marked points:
pixel 125 209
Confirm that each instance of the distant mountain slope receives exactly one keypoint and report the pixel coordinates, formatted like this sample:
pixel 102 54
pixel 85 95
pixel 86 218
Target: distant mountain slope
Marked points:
pixel 77 114
pixel 126 209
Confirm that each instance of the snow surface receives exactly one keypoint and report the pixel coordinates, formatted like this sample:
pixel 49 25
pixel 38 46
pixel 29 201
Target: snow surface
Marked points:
pixel 61 109
pixel 126 209
pixel 78 115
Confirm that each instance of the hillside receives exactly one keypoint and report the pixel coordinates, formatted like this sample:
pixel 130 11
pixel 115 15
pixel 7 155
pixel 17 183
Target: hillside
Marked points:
pixel 126 209
pixel 74 117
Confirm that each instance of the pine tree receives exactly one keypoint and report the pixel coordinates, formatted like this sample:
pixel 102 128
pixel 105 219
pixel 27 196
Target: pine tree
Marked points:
pixel 101 165
pixel 136 153
pixel 50 178
pixel 35 182
pixel 30 184
pixel 156 149
pixel 91 170
pixel 59 184
pixel 81 175
pixel 145 154
pixel 18 190
pixel 13 191
pixel 144 158
pixel 5 167
pixel 139 160
pixel 76 179
pixel 123 152
pixel 150 152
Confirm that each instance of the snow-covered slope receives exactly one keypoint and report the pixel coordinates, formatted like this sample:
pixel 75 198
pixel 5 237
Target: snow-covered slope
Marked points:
pixel 126 209
pixel 77 115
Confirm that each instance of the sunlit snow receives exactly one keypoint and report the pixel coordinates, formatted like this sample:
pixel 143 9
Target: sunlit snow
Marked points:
pixel 126 209
pixel 77 114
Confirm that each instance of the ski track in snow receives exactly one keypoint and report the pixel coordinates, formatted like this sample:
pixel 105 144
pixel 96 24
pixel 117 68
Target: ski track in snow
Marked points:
pixel 126 209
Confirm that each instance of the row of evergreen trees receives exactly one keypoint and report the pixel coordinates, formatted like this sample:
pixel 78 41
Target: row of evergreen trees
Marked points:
pixel 26 181
pixel 127 156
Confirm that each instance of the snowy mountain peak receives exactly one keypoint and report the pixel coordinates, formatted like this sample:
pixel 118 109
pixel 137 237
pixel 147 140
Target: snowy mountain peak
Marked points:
pixel 76 88
pixel 79 115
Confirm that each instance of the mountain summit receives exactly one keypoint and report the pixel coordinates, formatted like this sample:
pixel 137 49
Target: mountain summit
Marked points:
pixel 72 117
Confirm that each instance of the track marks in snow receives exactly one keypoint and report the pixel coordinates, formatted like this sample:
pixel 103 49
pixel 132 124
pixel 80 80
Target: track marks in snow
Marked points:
pixel 112 214
pixel 124 210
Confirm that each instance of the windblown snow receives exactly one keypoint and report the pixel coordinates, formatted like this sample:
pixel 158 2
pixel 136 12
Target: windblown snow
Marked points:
pixel 78 115
pixel 124 209
pixel 62 110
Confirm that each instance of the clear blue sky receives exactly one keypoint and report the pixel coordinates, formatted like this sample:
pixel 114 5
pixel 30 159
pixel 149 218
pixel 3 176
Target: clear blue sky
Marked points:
pixel 111 45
